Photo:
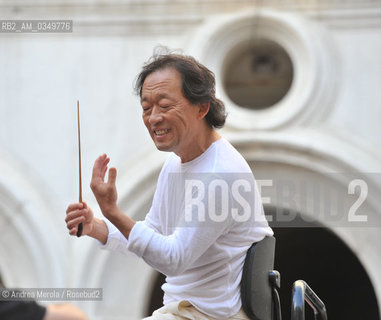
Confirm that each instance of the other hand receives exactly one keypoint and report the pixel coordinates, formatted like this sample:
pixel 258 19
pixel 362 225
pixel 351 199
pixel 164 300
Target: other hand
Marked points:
pixel 105 192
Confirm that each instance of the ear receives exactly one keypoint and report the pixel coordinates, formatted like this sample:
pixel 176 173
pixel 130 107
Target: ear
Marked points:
pixel 203 110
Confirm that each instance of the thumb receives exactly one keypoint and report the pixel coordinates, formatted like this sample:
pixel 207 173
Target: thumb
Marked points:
pixel 111 176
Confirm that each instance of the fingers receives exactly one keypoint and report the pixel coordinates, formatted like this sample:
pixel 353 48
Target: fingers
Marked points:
pixel 64 311
pixel 100 167
pixel 75 217
pixel 111 176
pixel 75 214
pixel 99 173
pixel 73 225
pixel 76 206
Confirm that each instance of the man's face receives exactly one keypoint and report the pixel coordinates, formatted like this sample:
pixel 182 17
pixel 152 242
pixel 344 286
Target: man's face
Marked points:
pixel 169 117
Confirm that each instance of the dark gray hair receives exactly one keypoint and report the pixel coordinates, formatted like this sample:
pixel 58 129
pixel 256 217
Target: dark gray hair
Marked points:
pixel 198 83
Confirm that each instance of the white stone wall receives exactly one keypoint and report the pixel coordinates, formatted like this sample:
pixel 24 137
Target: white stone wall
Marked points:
pixel 328 121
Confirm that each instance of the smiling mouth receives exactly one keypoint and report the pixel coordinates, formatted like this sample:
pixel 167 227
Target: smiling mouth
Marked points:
pixel 161 132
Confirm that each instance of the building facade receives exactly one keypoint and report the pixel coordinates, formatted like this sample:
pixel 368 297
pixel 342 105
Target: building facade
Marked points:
pixel 300 80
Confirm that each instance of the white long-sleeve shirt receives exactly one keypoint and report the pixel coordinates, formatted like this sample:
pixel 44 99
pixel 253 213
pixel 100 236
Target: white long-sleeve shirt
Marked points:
pixel 196 232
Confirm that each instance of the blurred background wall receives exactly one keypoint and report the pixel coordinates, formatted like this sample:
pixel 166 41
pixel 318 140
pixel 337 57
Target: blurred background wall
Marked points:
pixel 301 82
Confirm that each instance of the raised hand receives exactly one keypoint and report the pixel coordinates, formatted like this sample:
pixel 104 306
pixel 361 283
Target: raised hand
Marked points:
pixel 107 196
pixel 105 192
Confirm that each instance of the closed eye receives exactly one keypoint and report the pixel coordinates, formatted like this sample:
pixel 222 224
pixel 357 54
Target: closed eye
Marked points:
pixel 146 108
pixel 166 106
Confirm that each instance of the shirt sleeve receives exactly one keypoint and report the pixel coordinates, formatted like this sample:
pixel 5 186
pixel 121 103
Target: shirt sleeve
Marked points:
pixel 116 241
pixel 173 254
pixel 195 232
pixel 201 223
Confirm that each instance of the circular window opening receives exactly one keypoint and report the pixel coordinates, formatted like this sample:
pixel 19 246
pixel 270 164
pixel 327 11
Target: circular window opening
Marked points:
pixel 258 75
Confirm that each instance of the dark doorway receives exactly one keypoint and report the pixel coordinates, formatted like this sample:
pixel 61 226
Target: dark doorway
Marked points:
pixel 319 257
pixel 156 300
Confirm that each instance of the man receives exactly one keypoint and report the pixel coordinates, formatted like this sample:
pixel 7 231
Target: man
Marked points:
pixel 182 236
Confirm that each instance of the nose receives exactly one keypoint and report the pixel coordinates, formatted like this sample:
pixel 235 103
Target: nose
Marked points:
pixel 155 116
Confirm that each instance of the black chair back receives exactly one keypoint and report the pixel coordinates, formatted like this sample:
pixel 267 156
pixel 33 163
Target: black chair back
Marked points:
pixel 256 289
